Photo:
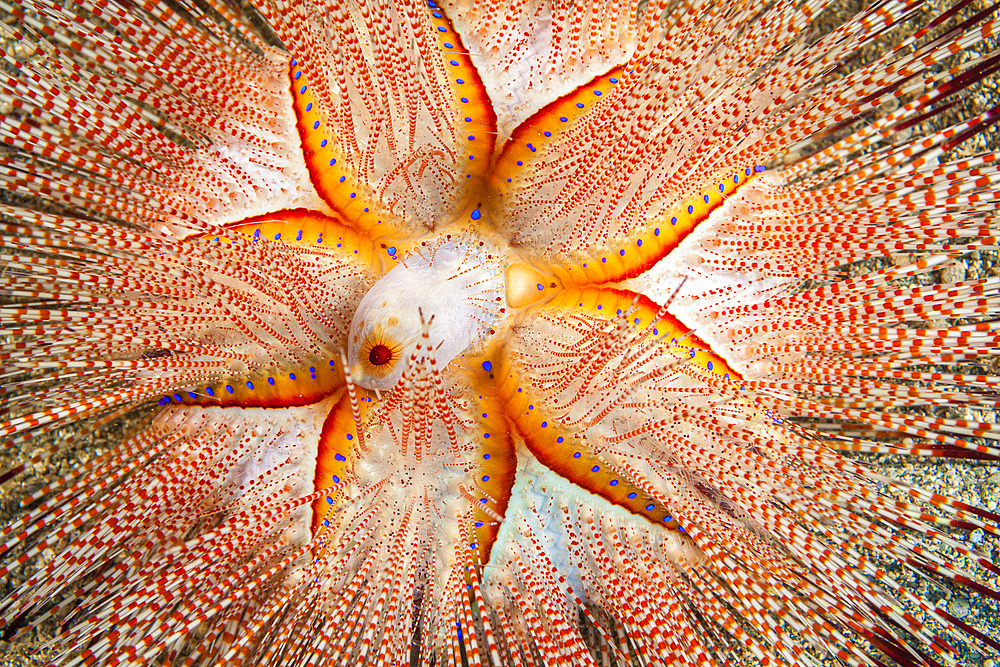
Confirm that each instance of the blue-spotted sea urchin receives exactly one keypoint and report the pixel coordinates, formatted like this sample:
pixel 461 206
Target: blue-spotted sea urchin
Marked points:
pixel 522 333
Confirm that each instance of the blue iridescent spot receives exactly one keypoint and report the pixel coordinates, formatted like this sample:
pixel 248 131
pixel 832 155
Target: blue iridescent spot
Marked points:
pixel 309 107
pixel 576 455
pixel 449 45
pixel 339 457
pixel 486 435
pixel 605 261
pixel 668 519
pixel 298 75
pixel 476 214
pixel 621 252
pixel 690 210
pixel 736 178
pixel 256 233
pixel 465 100
pixel 597 92
pixel 298 237
pixel 595 468
pixel 164 400
pixel 479 524
pixel 613 80
pixel 692 353
pixel 291 376
pixel 336 480
pixel 486 456
pixel 249 384
pixel 533 149
pixel 488 367
pixel 639 243
pixel 353 195
pixel 270 381
pixel 707 199
pixel 442 29
pixel 650 507
pixel 748 171
pixel 391 250
pixel 294 62
pixel 579 105
pixel 559 439
pixel 277 236
pixel 343 178
pixel 614 482
pixel 323 143
pixel 486 478
pixel 454 63
pixel 302 90
pixel 459 81
pixel 329 500
pixel 564 119
pixel 229 388
pixel 758 168
pixel 468 120
pixel 436 15
pixel 192 394
pixel 632 495
pixel 520 163
pixel 350 437
pixel 544 424
pixel 722 187
pixel 209 391
pixel 316 125
pixel 656 232
pixel 673 220
pixel 547 133
pixel 711 366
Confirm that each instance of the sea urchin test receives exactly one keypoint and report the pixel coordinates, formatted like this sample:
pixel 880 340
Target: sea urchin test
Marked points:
pixel 482 332
pixel 447 295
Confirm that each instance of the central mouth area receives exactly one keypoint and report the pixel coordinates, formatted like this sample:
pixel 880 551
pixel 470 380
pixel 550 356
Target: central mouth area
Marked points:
pixel 445 297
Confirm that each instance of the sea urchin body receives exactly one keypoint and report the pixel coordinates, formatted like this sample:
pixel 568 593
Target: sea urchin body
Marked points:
pixel 495 333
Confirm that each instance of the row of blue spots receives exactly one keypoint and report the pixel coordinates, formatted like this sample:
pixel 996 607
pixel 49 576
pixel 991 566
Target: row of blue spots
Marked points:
pixel 596 468
pixel 230 389
pixel 673 220
pixel 319 239
pixel 316 125
pixel 454 63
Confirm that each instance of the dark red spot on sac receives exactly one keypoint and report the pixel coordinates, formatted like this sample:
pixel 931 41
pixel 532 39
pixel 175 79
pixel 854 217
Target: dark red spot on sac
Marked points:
pixel 380 355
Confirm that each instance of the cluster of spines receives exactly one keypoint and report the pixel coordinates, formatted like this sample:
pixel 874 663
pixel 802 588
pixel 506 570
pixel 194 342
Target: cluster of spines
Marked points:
pixel 718 126
pixel 137 306
pixel 67 90
pixel 429 129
